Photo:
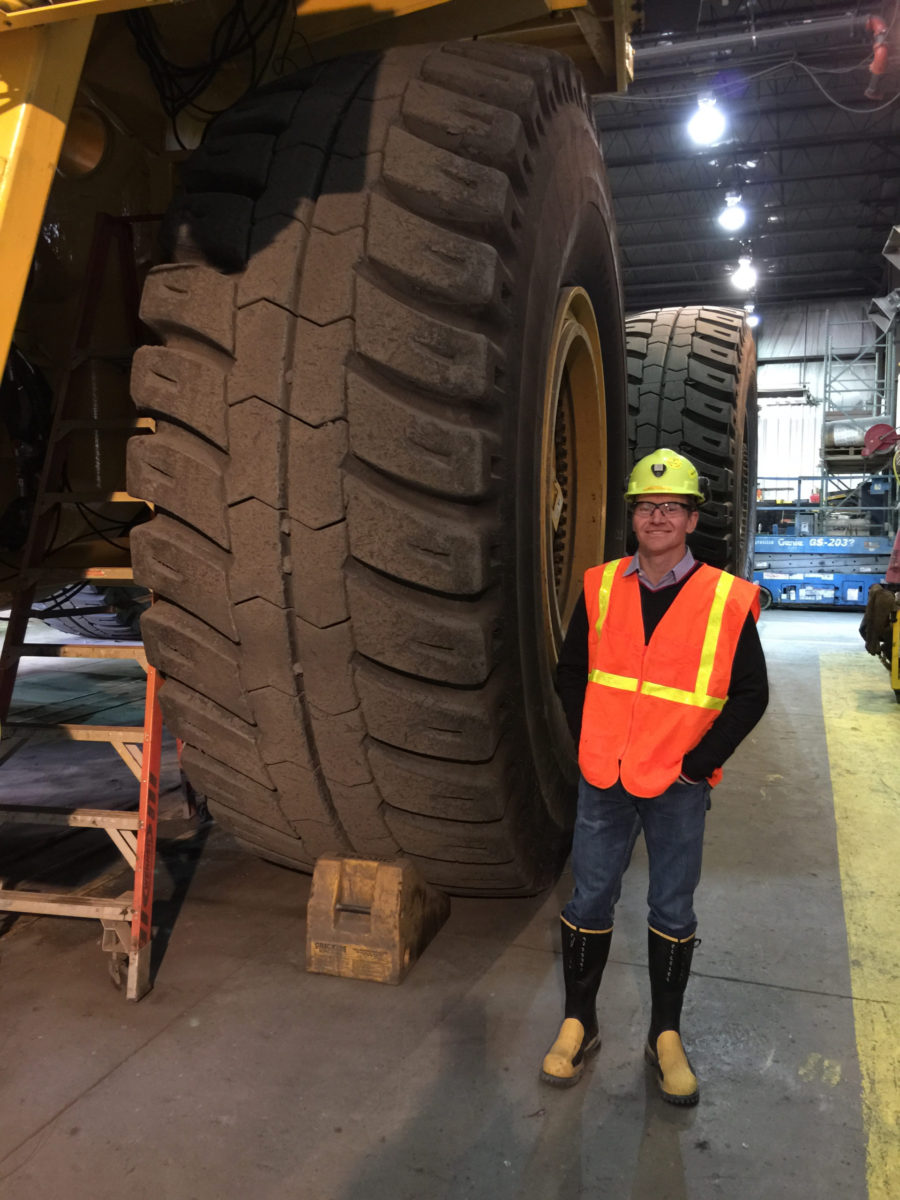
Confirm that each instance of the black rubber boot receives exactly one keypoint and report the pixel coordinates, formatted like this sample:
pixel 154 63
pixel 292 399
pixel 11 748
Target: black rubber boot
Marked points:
pixel 670 966
pixel 584 956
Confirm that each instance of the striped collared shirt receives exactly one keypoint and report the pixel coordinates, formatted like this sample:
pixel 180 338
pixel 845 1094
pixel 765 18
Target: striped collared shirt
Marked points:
pixel 677 573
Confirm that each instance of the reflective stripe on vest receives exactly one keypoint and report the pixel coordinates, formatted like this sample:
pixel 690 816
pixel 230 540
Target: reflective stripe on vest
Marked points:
pixel 699 697
pixel 622 682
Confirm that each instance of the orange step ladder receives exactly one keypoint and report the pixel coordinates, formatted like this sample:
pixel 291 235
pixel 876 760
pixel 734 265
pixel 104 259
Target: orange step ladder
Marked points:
pixel 126 919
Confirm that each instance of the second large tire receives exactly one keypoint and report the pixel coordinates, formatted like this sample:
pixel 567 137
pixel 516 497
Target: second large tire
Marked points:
pixel 692 388
pixel 380 464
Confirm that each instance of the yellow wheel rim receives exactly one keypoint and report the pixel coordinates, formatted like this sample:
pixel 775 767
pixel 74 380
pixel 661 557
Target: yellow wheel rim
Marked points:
pixel 573 483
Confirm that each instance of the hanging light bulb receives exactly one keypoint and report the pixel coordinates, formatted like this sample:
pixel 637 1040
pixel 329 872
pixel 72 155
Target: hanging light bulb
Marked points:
pixel 733 215
pixel 744 278
pixel 752 315
pixel 707 124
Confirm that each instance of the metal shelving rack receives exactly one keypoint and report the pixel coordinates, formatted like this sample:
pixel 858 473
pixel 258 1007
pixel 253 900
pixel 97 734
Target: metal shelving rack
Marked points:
pixel 835 539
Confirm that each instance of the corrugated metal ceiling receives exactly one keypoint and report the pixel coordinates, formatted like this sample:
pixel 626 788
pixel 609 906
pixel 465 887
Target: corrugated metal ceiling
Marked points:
pixel 816 162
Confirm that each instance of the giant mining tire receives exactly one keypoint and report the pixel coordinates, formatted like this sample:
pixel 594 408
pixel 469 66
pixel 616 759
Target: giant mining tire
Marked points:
pixel 392 362
pixel 692 388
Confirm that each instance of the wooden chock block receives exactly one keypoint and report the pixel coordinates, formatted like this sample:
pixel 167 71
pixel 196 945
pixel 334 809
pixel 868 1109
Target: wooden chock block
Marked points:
pixel 368 919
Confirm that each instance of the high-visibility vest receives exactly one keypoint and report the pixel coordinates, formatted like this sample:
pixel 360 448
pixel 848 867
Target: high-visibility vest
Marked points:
pixel 647 705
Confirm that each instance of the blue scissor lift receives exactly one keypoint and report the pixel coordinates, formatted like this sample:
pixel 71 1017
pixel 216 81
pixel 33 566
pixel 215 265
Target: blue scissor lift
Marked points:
pixel 824 550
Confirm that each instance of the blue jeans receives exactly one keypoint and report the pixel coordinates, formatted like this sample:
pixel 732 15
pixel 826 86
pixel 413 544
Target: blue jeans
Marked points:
pixel 606 827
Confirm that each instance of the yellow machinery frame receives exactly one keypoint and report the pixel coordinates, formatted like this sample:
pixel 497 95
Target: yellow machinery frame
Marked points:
pixel 39 72
pixel 42 53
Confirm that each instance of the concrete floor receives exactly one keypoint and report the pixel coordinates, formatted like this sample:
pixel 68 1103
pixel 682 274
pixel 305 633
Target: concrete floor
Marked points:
pixel 242 1074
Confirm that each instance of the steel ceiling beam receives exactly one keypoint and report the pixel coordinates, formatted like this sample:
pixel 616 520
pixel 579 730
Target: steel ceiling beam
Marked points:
pixel 765 235
pixel 699 271
pixel 772 182
pixel 797 95
pixel 761 262
pixel 812 153
pixel 741 149
pixel 864 211
pixel 800 33
pixel 720 292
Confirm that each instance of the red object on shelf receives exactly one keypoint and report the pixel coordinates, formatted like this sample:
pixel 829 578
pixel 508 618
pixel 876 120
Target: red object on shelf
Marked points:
pixel 879 439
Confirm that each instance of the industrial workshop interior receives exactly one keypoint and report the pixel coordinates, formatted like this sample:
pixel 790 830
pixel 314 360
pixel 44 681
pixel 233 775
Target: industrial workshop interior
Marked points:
pixel 334 336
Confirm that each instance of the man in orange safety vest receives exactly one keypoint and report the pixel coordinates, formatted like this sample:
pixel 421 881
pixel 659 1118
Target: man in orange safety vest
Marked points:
pixel 661 676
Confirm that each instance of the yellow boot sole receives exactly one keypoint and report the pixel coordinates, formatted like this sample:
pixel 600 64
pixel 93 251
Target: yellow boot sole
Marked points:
pixel 677 1081
pixel 559 1067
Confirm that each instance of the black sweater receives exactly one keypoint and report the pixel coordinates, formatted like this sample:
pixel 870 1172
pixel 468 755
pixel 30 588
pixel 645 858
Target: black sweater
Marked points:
pixel 748 691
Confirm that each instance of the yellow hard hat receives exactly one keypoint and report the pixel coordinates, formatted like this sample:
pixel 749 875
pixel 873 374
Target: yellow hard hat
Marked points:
pixel 667 473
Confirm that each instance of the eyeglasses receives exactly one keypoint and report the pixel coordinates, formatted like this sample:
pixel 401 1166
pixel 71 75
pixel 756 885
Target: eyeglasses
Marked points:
pixel 669 508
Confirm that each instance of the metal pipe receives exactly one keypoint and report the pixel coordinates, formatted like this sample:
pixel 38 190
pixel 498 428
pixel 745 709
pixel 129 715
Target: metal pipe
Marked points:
pixel 890 375
pixel 801 31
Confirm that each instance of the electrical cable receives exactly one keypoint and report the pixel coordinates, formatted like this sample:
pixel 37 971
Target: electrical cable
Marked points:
pixel 55 532
pixel 80 537
pixel 239 32
pixel 84 509
pixel 101 533
pixel 724 89
pixel 289 11
pixel 690 94
pixel 837 103
pixel 285 54
pixel 839 70
pixel 124 527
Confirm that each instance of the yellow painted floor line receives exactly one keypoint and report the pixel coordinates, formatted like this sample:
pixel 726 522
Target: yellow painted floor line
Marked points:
pixel 862 728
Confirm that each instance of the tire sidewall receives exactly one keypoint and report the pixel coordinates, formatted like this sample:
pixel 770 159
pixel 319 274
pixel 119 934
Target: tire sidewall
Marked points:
pixel 747 415
pixel 574 246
